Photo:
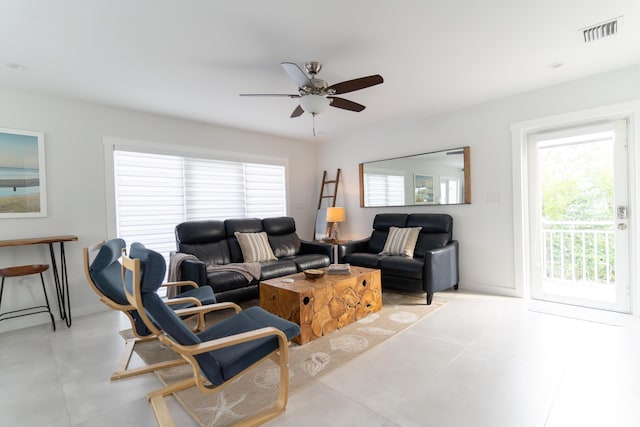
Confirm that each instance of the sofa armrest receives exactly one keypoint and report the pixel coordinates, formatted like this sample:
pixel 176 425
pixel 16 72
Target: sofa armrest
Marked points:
pixel 194 270
pixel 441 268
pixel 352 247
pixel 307 247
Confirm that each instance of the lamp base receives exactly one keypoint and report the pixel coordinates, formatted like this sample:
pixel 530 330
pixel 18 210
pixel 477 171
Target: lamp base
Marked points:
pixel 335 232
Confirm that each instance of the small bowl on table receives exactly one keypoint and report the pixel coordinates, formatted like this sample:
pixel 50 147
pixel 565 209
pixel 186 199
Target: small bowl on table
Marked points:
pixel 313 274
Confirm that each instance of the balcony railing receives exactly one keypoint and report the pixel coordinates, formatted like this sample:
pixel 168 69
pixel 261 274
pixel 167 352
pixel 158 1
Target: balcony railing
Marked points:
pixel 579 251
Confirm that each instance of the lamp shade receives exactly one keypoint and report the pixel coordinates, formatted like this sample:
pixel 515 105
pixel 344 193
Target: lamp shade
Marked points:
pixel 335 215
pixel 314 104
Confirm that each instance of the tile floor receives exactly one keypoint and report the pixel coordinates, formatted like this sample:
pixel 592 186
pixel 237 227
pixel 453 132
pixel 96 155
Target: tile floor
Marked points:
pixel 480 361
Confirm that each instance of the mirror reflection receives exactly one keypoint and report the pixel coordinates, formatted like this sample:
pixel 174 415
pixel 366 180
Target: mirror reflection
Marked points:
pixel 438 178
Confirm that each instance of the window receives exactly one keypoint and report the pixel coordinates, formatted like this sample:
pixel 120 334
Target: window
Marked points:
pixel 383 190
pixel 155 192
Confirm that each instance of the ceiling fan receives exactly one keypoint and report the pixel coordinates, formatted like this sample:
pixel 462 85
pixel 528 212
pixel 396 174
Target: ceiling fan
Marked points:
pixel 316 95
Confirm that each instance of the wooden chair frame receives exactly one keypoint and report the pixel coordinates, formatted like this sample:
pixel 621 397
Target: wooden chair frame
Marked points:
pixel 280 356
pixel 121 370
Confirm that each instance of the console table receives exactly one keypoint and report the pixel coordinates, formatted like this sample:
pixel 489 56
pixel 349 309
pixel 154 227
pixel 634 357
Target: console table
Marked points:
pixel 61 280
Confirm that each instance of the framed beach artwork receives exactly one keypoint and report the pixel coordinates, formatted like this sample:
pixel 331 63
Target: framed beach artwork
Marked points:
pixel 22 174
pixel 423 186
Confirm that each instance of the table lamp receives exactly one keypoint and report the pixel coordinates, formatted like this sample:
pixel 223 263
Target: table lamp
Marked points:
pixel 335 215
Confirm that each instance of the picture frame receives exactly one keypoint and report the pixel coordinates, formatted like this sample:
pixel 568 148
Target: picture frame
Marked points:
pixel 423 189
pixel 22 174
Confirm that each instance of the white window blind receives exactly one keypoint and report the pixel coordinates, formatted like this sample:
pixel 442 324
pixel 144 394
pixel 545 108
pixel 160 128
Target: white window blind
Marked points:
pixel 213 189
pixel 265 190
pixel 149 198
pixel 383 190
pixel 156 192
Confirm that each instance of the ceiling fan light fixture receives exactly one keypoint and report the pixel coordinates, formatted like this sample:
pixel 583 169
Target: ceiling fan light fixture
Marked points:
pixel 314 104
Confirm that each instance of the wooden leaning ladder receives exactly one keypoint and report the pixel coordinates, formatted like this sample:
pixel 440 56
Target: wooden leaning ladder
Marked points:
pixel 325 193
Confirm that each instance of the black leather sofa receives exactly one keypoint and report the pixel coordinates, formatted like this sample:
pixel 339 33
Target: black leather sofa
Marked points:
pixel 434 266
pixel 214 243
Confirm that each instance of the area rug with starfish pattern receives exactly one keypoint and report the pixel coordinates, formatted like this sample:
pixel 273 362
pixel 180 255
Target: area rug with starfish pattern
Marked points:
pixel 258 388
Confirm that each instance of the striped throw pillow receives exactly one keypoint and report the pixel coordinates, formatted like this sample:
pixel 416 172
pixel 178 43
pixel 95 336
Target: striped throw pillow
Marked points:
pixel 401 241
pixel 255 247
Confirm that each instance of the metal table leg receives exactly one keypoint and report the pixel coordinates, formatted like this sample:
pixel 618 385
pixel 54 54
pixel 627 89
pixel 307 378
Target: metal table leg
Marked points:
pixel 62 283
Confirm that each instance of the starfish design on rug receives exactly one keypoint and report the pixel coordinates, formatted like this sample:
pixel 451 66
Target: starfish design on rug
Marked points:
pixel 403 317
pixel 315 363
pixel 349 343
pixel 269 378
pixel 222 408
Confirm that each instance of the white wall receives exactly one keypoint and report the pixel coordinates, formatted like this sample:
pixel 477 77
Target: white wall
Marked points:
pixel 484 228
pixel 76 178
pixel 75 167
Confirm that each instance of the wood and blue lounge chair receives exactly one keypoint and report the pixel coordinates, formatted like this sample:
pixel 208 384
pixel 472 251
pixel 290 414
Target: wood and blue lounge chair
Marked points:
pixel 104 274
pixel 217 354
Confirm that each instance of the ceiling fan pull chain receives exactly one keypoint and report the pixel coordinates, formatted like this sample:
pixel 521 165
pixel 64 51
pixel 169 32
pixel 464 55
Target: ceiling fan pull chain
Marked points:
pixel 314 124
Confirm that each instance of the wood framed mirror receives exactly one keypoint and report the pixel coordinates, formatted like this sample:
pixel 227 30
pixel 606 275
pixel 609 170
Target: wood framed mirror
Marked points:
pixel 437 178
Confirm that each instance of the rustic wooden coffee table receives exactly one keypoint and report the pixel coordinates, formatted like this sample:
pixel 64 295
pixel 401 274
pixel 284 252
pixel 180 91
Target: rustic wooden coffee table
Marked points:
pixel 325 304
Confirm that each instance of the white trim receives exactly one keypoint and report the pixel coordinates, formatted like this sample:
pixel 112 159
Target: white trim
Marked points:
pixel 112 143
pixel 519 132
pixel 490 289
pixel 190 151
pixel 110 190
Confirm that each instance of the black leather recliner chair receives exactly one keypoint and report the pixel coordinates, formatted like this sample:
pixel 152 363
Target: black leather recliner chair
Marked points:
pixel 213 243
pixel 434 266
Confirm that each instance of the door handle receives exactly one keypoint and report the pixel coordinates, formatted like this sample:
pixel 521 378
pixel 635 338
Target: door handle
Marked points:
pixel 621 212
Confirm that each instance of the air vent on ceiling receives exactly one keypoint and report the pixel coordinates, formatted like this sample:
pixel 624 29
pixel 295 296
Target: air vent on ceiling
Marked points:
pixel 602 30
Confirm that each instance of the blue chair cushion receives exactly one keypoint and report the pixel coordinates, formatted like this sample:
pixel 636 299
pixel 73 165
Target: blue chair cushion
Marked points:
pixel 105 270
pixel 234 359
pixel 219 365
pixel 152 267
pixel 204 294
pixel 166 319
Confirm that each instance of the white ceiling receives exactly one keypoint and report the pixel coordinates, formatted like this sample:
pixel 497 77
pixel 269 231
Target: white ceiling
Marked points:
pixel 191 59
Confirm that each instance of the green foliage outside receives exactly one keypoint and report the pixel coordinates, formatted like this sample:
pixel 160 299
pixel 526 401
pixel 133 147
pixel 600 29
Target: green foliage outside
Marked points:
pixel 577 186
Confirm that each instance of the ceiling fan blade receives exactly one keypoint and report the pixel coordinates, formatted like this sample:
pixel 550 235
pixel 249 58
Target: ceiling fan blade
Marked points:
pixel 296 74
pixel 356 84
pixel 345 104
pixel 297 112
pixel 270 94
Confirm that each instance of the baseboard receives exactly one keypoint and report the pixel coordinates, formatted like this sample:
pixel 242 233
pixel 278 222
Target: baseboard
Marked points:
pixel 489 289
